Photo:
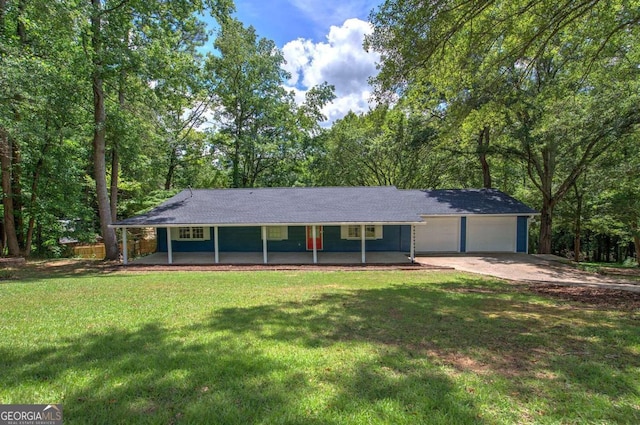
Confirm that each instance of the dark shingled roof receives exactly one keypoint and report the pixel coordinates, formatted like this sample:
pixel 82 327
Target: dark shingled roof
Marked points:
pixel 321 205
pixel 467 202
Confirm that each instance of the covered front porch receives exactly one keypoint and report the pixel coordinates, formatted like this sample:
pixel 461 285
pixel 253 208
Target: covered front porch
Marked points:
pixel 303 244
pixel 274 258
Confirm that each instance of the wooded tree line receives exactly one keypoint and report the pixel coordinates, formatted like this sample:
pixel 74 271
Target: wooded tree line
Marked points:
pixel 549 90
pixel 108 107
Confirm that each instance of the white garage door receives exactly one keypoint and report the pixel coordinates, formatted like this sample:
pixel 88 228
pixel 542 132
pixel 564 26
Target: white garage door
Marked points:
pixel 491 234
pixel 440 234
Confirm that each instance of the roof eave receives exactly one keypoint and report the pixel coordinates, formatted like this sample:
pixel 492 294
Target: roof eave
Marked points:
pixel 471 214
pixel 336 223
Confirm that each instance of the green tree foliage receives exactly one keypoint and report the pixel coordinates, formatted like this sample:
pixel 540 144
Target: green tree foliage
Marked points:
pixel 383 147
pixel 261 130
pixel 615 196
pixel 547 75
pixel 62 62
pixel 39 104
pixel 104 105
pixel 151 35
pixel 130 76
pixel 246 77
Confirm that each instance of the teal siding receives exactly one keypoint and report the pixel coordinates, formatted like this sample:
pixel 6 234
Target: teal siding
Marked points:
pixel 248 239
pixel 405 238
pixel 521 236
pixel 392 240
pixel 240 239
pixel 463 234
pixel 296 241
pixel 184 246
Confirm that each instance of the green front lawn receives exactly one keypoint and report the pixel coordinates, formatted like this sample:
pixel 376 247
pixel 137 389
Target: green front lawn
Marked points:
pixel 297 347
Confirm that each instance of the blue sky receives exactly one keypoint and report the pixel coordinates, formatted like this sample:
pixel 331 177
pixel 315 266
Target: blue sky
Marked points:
pixel 286 20
pixel 321 41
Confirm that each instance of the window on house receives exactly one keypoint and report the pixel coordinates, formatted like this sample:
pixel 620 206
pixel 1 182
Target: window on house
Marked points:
pixel 370 232
pixel 277 233
pixel 190 234
pixel 197 233
pixel 352 231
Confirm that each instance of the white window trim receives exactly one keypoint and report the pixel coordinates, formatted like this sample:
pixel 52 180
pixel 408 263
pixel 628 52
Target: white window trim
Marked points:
pixel 344 232
pixel 175 233
pixel 283 236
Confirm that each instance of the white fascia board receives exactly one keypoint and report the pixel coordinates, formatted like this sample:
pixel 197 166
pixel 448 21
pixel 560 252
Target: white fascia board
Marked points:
pixel 341 223
pixel 425 216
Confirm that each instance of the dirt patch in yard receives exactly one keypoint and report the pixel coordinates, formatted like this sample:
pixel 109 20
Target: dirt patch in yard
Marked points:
pixel 277 267
pixel 39 269
pixel 596 297
pixel 630 272
pixel 74 267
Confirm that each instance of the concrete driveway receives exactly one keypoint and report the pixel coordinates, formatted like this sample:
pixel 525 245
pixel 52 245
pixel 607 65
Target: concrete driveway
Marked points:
pixel 528 268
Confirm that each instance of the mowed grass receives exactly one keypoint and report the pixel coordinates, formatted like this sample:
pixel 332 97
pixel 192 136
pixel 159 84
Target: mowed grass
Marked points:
pixel 299 347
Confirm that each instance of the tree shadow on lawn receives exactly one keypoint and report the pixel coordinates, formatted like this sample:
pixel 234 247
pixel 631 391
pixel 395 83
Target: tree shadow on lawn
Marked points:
pixel 57 269
pixel 157 376
pixel 224 370
pixel 151 376
pixel 541 351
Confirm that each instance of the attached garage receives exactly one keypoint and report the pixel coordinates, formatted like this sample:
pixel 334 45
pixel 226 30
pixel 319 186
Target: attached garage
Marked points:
pixel 491 234
pixel 439 234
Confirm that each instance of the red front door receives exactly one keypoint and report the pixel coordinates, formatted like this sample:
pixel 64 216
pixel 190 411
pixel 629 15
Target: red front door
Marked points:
pixel 310 238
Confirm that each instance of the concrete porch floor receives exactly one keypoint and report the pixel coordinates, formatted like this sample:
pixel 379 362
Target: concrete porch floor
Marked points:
pixel 274 258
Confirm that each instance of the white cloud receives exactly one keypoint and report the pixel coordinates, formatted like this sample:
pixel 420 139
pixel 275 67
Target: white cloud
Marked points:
pixel 340 61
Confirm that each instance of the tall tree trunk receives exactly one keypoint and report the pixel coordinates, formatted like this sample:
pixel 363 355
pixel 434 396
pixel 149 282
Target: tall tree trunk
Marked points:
pixel 39 238
pixel 21 28
pixel 7 198
pixel 483 147
pixel 548 199
pixel 577 224
pixel 16 188
pixel 115 166
pixel 115 160
pixel 34 191
pixel 3 8
pixel 236 162
pixel 16 157
pixel 636 240
pixel 32 218
pixel 173 159
pixel 546 220
pixel 99 131
pixel 237 143
pixel 10 157
pixel 3 239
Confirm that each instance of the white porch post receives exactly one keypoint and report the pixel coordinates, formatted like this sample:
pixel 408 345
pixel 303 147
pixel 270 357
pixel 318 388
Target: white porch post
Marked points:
pixel 215 245
pixel 125 259
pixel 362 243
pixel 315 248
pixel 264 244
pixel 169 247
pixel 412 253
